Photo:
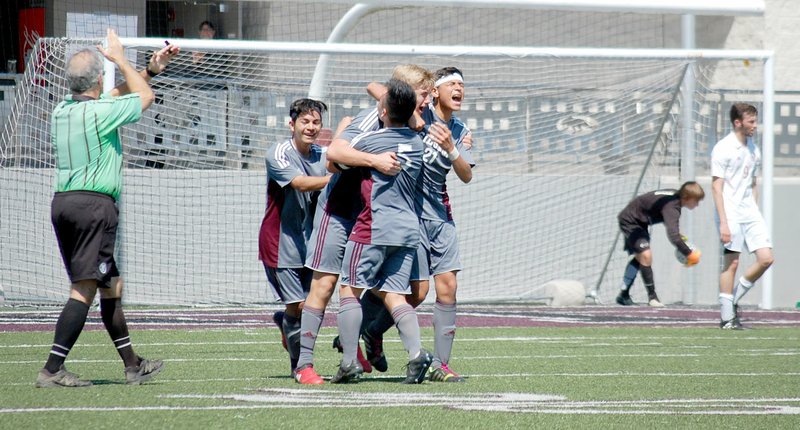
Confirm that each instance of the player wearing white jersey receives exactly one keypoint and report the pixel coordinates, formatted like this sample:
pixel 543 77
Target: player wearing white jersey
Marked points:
pixel 734 162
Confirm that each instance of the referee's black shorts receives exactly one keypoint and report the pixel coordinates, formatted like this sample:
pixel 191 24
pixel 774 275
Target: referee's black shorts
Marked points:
pixel 85 223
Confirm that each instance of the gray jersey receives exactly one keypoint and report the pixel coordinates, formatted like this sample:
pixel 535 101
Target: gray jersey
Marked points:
pixel 340 197
pixel 289 217
pixel 391 213
pixel 436 202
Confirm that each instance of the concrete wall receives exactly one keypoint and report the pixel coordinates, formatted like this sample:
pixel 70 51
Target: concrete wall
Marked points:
pixel 191 237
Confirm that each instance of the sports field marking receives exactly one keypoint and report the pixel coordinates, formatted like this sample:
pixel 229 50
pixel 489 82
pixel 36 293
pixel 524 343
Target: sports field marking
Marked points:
pixel 517 402
pixel 488 402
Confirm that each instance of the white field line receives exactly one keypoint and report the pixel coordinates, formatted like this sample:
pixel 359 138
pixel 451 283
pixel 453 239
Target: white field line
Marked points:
pixel 494 402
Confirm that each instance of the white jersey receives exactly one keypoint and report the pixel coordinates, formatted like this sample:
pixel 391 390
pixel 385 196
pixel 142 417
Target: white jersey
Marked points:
pixel 737 165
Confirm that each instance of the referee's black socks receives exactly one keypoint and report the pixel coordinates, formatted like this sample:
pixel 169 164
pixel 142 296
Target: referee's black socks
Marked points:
pixel 68 328
pixel 117 328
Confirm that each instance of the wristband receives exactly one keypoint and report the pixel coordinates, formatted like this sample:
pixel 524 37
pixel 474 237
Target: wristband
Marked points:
pixel 150 72
pixel 453 155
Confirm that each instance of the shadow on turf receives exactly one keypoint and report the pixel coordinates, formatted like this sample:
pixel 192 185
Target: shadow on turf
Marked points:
pixel 364 379
pixel 115 382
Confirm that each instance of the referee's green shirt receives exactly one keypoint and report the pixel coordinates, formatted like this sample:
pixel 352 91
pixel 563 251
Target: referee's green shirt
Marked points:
pixel 85 137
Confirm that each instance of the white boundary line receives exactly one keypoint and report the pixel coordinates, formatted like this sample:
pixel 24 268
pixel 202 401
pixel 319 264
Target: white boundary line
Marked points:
pixel 487 402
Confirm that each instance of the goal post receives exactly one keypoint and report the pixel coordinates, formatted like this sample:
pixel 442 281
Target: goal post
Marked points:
pixel 564 138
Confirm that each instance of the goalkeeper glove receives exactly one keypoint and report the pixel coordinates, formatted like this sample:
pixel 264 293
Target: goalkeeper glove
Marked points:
pixel 693 258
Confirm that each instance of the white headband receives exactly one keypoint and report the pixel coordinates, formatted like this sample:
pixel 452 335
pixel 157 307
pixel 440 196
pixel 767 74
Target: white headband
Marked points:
pixel 448 78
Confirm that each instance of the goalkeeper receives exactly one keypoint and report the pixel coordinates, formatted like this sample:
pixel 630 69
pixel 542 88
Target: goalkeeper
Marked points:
pixel 634 222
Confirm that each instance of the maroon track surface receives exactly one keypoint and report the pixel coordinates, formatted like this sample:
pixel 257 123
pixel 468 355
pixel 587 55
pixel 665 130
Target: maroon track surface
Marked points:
pixel 502 315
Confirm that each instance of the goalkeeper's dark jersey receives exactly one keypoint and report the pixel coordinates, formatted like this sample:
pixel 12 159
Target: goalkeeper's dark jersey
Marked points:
pixel 655 207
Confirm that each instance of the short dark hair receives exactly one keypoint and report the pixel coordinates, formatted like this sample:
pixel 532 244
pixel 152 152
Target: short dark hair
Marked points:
pixel 739 109
pixel 401 101
pixel 445 71
pixel 208 23
pixel 301 106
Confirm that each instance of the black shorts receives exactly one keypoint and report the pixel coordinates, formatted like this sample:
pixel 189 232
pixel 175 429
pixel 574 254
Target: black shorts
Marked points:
pixel 637 238
pixel 86 229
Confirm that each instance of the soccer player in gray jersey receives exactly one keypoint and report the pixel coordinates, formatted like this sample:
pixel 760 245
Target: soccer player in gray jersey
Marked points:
pixel 635 220
pixel 438 255
pixel 382 246
pixel 338 206
pixel 295 172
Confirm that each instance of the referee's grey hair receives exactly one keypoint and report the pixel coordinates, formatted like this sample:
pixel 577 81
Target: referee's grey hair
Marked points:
pixel 82 70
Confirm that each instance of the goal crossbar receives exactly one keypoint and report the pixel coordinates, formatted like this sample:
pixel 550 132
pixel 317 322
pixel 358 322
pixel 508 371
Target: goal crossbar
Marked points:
pixel 450 50
pixel 695 7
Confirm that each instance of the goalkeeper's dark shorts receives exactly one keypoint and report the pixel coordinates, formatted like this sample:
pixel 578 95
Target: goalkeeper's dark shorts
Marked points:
pixel 85 224
pixel 637 238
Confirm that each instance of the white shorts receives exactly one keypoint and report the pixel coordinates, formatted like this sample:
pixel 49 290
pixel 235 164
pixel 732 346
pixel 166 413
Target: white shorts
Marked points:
pixel 752 234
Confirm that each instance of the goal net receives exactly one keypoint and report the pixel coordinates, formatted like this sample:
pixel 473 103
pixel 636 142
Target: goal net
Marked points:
pixel 563 140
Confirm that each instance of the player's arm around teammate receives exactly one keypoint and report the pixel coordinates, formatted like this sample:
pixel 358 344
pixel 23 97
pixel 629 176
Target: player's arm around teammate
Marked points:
pixel 345 156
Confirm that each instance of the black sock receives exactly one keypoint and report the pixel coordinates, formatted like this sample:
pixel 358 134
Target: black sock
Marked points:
pixel 649 284
pixel 117 328
pixel 371 307
pixel 68 328
pixel 380 325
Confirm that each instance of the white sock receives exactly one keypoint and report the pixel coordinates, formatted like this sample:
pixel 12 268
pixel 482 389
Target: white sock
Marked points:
pixel 742 287
pixel 726 306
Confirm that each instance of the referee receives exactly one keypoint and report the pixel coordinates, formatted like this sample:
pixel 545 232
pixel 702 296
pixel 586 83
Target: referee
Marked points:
pixel 88 153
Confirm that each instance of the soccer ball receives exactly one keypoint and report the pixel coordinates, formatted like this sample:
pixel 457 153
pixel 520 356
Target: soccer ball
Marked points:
pixel 679 256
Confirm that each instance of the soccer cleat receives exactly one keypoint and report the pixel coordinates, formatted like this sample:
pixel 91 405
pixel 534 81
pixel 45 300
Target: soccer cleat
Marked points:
pixel 654 303
pixel 444 374
pixel 277 318
pixel 624 300
pixel 144 372
pixel 737 318
pixel 373 346
pixel 365 364
pixel 62 378
pixel 349 373
pixel 308 376
pixel 418 367
pixel 731 324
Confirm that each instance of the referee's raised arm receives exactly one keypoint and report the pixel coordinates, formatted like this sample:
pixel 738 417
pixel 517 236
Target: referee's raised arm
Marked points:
pixel 134 82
